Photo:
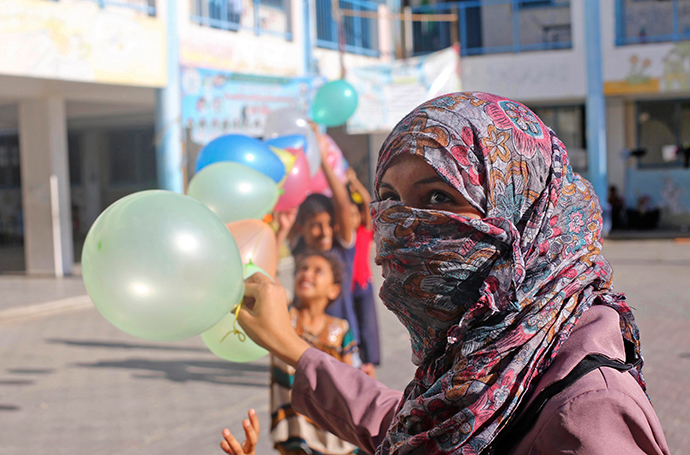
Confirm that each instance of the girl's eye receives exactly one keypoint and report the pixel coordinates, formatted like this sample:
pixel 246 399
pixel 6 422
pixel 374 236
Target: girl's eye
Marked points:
pixel 389 196
pixel 439 197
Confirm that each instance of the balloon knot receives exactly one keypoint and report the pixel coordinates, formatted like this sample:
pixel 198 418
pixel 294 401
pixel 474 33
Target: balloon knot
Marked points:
pixel 268 218
pixel 240 335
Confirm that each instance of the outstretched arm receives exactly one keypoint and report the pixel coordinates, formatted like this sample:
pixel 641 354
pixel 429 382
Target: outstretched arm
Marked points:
pixel 341 200
pixel 360 412
pixel 338 397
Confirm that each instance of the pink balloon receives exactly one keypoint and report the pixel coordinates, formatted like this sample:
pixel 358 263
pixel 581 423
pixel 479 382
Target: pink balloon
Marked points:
pixel 335 158
pixel 319 184
pixel 296 185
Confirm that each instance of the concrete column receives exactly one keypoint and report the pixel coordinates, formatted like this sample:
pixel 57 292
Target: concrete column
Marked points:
pixel 596 104
pixel 43 149
pixel 92 144
pixel 385 37
pixel 615 142
pixel 169 152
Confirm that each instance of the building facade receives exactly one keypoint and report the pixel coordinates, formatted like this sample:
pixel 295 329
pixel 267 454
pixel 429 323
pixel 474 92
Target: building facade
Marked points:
pixel 91 99
pixel 535 51
pixel 102 98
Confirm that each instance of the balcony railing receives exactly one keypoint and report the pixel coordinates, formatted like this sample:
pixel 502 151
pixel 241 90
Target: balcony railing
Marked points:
pixel 263 17
pixel 143 6
pixel 493 26
pixel 361 33
pixel 649 21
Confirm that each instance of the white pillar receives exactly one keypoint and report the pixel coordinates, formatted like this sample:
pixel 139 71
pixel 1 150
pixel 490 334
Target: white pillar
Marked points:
pixel 385 38
pixel 43 151
pixel 615 142
pixel 92 144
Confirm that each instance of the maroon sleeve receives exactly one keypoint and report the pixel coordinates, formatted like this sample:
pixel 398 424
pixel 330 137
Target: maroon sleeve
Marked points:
pixel 606 422
pixel 343 400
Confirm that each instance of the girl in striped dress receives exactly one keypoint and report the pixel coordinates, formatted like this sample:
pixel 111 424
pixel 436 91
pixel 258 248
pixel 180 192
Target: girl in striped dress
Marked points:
pixel 318 281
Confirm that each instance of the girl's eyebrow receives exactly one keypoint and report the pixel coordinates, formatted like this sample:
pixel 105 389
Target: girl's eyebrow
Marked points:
pixel 428 180
pixel 386 185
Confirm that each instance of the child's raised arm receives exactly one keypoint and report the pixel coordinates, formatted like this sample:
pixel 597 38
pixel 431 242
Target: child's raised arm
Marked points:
pixel 341 200
pixel 357 186
pixel 251 431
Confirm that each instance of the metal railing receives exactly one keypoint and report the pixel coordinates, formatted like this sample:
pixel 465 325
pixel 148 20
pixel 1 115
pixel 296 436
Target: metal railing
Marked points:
pixel 493 26
pixel 649 21
pixel 263 17
pixel 143 6
pixel 361 33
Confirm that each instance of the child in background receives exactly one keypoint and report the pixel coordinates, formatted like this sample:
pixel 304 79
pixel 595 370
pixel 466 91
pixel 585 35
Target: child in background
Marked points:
pixel 318 282
pixel 325 224
pixel 362 291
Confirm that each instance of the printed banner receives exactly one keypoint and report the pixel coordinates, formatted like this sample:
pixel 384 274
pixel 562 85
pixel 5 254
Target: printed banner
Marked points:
pixel 388 92
pixel 217 102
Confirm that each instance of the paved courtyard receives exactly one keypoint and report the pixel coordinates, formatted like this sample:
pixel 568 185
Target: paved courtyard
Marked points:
pixel 70 383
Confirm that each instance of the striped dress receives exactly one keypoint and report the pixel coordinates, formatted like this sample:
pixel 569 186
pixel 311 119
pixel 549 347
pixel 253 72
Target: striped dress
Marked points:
pixel 294 433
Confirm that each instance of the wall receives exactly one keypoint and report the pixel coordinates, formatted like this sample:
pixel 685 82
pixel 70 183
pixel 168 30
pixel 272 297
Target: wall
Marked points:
pixel 79 41
pixel 242 51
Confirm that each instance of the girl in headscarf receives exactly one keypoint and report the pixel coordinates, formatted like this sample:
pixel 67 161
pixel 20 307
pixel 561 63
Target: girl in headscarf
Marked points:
pixel 490 249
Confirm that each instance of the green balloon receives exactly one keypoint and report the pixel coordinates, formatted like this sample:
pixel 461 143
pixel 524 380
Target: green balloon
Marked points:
pixel 161 266
pixel 227 339
pixel 334 103
pixel 234 191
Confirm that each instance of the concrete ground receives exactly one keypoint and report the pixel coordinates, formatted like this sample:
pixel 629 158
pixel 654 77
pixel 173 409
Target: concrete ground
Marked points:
pixel 70 383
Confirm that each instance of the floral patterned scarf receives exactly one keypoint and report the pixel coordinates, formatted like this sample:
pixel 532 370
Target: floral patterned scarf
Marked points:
pixel 488 302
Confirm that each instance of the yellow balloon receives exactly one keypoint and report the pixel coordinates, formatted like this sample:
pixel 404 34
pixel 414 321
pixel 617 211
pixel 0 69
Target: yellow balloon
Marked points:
pixel 287 158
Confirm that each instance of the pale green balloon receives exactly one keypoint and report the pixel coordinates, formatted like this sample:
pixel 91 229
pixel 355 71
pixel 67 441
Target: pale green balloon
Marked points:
pixel 234 191
pixel 228 340
pixel 161 266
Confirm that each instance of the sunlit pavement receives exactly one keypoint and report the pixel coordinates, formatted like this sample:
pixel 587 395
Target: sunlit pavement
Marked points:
pixel 70 383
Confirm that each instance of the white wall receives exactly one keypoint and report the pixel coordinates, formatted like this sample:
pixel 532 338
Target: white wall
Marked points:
pixel 532 77
pixel 80 41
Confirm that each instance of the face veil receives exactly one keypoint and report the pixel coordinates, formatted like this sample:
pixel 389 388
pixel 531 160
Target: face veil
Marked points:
pixel 487 302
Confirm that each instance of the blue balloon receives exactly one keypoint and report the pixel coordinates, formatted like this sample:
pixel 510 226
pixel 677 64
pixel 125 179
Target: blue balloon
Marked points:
pixel 243 150
pixel 291 141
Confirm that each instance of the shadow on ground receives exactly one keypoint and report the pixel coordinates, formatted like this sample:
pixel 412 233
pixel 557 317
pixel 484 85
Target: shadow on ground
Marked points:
pixel 214 372
pixel 121 345
pixel 9 407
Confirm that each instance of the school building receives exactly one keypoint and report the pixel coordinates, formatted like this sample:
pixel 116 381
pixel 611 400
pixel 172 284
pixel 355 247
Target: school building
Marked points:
pixel 92 93
pixel 101 98
pixel 611 77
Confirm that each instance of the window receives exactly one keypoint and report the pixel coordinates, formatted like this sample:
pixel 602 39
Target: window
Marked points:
pixel 662 123
pixel 132 156
pixel 644 21
pixel 10 174
pixel 360 31
pixel 568 122
pixel 74 155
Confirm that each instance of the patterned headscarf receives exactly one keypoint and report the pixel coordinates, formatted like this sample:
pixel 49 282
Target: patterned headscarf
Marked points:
pixel 488 302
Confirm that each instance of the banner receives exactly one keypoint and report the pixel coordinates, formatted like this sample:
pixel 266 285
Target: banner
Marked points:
pixel 389 92
pixel 217 102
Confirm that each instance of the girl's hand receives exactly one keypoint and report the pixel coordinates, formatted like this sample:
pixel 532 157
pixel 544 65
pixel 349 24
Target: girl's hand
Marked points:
pixel 251 431
pixel 264 317
pixel 286 219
